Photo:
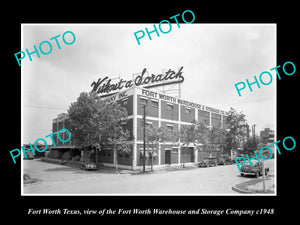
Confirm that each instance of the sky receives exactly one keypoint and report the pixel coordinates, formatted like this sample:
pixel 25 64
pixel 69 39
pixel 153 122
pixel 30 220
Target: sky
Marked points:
pixel 214 58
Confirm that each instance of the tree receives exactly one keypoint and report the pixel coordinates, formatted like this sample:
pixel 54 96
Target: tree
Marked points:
pixel 85 122
pixel 115 134
pixel 154 136
pixel 188 134
pixel 211 137
pixel 91 120
pixel 251 145
pixel 120 140
pixel 203 133
pixel 237 133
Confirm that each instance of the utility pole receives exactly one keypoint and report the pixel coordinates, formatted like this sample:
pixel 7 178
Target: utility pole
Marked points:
pixel 144 131
pixel 254 131
pixel 264 176
pixel 248 134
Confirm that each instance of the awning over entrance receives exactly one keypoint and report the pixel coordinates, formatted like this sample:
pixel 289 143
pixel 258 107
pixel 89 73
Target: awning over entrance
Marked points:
pixel 191 145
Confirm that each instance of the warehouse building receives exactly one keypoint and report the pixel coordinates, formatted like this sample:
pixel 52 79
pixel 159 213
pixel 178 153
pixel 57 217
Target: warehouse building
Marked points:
pixel 161 111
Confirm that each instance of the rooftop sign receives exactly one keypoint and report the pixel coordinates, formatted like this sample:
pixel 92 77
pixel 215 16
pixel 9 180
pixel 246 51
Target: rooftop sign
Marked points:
pixel 104 86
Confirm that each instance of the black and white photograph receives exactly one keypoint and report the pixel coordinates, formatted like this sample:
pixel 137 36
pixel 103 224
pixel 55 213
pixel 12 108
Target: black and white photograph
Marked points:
pixel 107 110
pixel 124 112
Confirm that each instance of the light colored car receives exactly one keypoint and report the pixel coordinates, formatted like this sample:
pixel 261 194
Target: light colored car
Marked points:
pixel 87 165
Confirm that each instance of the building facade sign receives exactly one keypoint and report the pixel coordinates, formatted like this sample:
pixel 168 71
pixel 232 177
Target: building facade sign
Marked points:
pixel 118 96
pixel 171 99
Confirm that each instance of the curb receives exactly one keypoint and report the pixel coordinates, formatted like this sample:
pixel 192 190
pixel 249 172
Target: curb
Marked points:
pixel 76 165
pixel 163 170
pixel 243 187
pixel 240 190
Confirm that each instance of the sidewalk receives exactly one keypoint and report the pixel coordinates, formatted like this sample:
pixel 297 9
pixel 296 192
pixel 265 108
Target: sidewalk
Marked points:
pixel 256 186
pixel 165 169
pixel 106 169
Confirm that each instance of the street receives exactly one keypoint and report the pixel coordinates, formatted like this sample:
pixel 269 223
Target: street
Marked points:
pixel 59 179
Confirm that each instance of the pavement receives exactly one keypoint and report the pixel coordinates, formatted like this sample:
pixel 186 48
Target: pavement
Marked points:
pixel 256 186
pixel 64 180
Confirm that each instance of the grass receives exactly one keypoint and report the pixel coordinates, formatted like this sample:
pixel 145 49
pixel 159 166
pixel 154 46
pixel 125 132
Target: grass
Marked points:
pixel 28 180
pixel 244 186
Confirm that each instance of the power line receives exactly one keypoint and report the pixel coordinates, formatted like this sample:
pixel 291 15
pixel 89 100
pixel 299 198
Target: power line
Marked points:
pixel 44 107
pixel 36 130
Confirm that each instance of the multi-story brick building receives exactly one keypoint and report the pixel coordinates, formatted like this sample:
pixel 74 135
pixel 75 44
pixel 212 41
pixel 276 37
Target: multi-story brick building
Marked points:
pixel 60 148
pixel 267 136
pixel 57 124
pixel 163 111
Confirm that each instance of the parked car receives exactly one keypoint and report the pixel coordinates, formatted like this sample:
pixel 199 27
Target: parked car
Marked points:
pixel 202 164
pixel 208 161
pixel 88 165
pixel 239 160
pixel 256 169
pixel 224 161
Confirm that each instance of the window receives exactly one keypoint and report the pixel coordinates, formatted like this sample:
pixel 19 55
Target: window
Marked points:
pixel 148 124
pixel 169 127
pixel 120 154
pixel 154 103
pixel 142 153
pixel 187 110
pixel 169 107
pixel 125 101
pixel 175 150
pixel 143 101
pixel 126 155
pixel 123 122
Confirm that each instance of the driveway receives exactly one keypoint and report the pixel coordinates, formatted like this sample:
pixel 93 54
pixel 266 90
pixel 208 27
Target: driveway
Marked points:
pixel 59 179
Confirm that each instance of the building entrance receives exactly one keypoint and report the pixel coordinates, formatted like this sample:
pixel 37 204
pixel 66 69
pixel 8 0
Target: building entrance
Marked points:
pixel 168 157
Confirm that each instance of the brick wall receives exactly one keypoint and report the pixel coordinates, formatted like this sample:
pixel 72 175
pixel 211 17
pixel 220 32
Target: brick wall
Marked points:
pixel 187 114
pixel 139 157
pixel 215 120
pixel 167 113
pixel 127 103
pixel 151 106
pixel 140 133
pixel 203 117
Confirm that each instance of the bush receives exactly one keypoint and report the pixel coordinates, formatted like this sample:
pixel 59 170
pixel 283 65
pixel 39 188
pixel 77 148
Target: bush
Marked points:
pixel 76 158
pixel 55 154
pixel 67 155
pixel 26 177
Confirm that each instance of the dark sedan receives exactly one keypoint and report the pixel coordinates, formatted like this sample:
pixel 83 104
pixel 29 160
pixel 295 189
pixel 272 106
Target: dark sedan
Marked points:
pixel 256 169
pixel 208 161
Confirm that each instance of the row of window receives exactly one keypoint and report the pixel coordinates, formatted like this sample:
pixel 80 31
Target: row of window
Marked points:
pixel 108 153
pixel 144 101
pixel 170 127
pixel 153 103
